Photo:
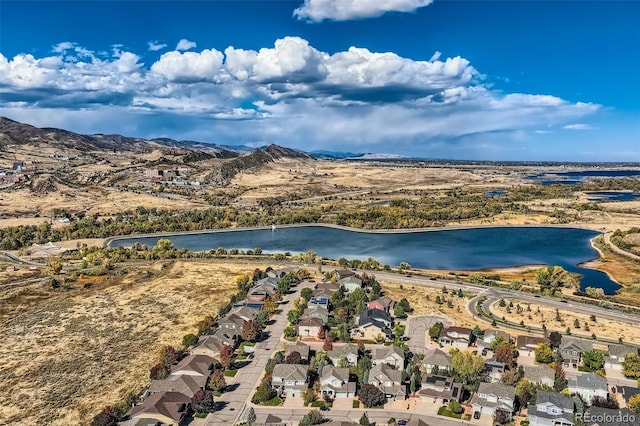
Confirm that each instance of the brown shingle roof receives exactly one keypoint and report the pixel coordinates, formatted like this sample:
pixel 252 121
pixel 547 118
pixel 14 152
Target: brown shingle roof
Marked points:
pixel 168 404
pixel 200 364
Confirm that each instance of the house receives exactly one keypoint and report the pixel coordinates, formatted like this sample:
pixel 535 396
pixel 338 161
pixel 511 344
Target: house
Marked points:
pixel 343 273
pixel 320 298
pixel 489 336
pixel 279 273
pixel 373 324
pixel 167 408
pixel 349 351
pixel 588 385
pixel 495 368
pixel 271 281
pixel 231 324
pixel 195 365
pixel 384 304
pixel 440 388
pixel 572 349
pixel 458 337
pixel 616 354
pixel 208 345
pixel 492 397
pixel 334 383
pixel 316 311
pixel 527 344
pixel 185 384
pixel 540 374
pixel 390 355
pixel 436 360
pixel 329 286
pixel 246 313
pixel 596 416
pixel 627 391
pixel 290 379
pixel 299 347
pixel 551 409
pixel 350 283
pixel 255 304
pixel 262 292
pixel 309 328
pixel 388 380
pixel 226 337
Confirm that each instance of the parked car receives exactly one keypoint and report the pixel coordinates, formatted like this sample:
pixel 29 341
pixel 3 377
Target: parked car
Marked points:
pixel 476 415
pixel 324 408
pixel 402 422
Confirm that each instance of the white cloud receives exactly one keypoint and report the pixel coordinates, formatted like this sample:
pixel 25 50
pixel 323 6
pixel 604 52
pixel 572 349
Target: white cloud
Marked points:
pixel 344 10
pixel 185 44
pixel 290 93
pixel 189 66
pixel 578 126
pixel 154 46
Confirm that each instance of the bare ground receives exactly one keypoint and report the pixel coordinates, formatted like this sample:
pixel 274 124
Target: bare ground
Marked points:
pixel 66 354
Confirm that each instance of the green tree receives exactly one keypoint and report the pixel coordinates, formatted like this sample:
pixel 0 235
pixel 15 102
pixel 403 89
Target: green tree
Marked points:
pixel 306 293
pixel 264 392
pixel 371 396
pixel 250 331
pixel 631 366
pixel 202 401
pixel 468 368
pixel 217 382
pixel 289 331
pixel 543 353
pixel 364 420
pixel 399 311
pixel 455 407
pixel 435 330
pixel 312 418
pixel 525 392
pixel 593 360
pixel 189 340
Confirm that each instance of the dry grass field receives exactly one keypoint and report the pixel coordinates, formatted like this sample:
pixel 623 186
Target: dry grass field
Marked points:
pixel 66 354
pixel 422 300
pixel 540 314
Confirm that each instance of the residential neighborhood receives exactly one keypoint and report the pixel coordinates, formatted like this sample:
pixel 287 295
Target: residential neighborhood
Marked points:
pixel 343 349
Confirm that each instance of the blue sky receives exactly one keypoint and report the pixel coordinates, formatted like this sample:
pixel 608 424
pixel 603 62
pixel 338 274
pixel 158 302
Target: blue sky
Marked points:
pixel 504 80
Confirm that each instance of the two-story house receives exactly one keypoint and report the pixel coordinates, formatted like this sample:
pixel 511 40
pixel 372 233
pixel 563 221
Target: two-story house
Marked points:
pixel 572 349
pixel 349 351
pixel 290 379
pixel 440 389
pixel 316 311
pixel 309 328
pixel 616 354
pixel 492 397
pixel 334 383
pixel 208 345
pixel 384 304
pixel 374 324
pixel 588 385
pixel 551 409
pixel 390 355
pixel 231 324
pixel 388 380
pixel 436 360
pixel 458 337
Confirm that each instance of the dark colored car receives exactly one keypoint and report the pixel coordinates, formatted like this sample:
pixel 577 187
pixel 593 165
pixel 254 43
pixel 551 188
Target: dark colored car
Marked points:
pixel 476 415
pixel 402 422
pixel 324 408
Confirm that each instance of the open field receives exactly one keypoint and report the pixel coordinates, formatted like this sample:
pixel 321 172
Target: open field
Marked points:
pixel 67 353
pixel 541 314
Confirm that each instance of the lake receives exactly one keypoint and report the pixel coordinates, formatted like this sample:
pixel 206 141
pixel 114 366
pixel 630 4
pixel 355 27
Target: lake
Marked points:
pixel 457 249
pixel 575 177
pixel 601 196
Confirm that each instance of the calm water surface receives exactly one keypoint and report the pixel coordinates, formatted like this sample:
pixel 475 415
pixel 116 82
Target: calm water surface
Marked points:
pixel 459 249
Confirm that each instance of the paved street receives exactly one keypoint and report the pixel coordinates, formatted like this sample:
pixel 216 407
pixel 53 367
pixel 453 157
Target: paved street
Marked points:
pixel 248 377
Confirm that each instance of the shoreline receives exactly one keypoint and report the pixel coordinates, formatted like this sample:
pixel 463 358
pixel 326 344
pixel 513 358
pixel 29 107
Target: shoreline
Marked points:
pixel 107 241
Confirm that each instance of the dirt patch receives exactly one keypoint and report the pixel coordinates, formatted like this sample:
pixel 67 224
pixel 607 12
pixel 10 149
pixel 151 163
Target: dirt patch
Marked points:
pixel 66 354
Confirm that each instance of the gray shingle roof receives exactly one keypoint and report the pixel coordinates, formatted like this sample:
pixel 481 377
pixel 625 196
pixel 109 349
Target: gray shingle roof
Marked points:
pixel 296 372
pixel 589 381
pixel 554 398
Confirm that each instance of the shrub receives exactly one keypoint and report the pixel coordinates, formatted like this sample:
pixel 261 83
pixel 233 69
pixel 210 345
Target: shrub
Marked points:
pixel 189 340
pixel 371 396
pixel 158 372
pixel 109 416
pixel 202 401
